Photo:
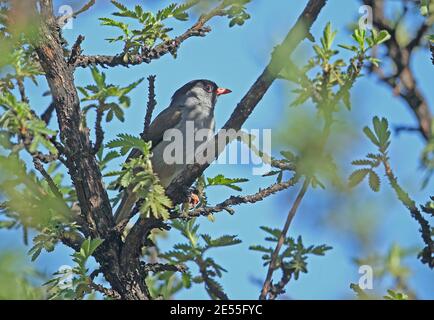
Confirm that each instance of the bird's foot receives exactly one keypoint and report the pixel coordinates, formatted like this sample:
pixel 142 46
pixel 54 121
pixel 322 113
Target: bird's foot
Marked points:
pixel 193 200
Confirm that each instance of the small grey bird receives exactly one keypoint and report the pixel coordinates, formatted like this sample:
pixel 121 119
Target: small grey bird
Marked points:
pixel 191 108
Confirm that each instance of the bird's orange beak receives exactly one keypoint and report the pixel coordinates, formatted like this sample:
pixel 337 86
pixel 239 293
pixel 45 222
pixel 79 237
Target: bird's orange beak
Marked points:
pixel 221 91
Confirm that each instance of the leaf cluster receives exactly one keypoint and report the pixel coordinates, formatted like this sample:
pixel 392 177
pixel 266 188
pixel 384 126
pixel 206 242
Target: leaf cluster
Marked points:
pixel 194 251
pixel 74 283
pixel 102 96
pixel 293 259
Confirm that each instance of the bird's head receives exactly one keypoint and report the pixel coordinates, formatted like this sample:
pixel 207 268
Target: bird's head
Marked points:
pixel 200 91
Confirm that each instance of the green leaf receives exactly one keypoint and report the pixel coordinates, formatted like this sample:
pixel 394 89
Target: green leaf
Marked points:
pixel 363 162
pixel 127 142
pixel 382 37
pixel 221 241
pixel 374 181
pixel 381 128
pixel 357 177
pixel 368 132
pixel 261 249
pixel 394 295
pixel 328 36
pixel 274 232
pixel 221 180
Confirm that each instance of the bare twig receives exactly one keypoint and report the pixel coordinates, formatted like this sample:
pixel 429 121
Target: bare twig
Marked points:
pixel 76 50
pixel 106 291
pixel 431 47
pixel 53 187
pixel 274 257
pixel 48 113
pixel 64 19
pixel 150 106
pixel 160 267
pixel 99 132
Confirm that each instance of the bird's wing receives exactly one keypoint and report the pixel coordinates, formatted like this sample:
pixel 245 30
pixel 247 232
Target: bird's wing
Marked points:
pixel 167 119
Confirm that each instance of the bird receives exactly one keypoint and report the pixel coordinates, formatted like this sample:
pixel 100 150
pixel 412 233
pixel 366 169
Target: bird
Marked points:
pixel 192 106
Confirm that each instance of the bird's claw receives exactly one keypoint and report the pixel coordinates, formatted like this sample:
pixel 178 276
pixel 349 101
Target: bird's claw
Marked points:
pixel 193 200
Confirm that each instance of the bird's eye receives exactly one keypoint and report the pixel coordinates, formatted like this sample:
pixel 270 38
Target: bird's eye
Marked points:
pixel 208 88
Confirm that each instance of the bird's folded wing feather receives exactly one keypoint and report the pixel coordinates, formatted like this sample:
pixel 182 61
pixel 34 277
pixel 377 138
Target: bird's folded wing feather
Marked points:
pixel 167 119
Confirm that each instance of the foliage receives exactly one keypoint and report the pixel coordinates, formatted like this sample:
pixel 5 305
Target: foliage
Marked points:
pixel 74 283
pixel 18 119
pixel 293 259
pixel 47 204
pixel 100 92
pixel 41 210
pixel 19 281
pixel 221 180
pixel 137 173
pixel 380 137
pixel 194 252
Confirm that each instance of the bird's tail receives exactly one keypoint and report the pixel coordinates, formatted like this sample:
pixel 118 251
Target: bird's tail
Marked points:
pixel 126 206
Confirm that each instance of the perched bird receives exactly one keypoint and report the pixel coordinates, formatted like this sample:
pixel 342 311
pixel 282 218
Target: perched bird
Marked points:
pixel 191 109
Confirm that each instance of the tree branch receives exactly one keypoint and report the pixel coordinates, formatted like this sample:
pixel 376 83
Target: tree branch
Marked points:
pixel 48 113
pixel 150 106
pixel 76 50
pixel 237 200
pixel 53 187
pixel 64 19
pixel 170 46
pixel 99 132
pixel 160 267
pixel 274 257
pixel 403 81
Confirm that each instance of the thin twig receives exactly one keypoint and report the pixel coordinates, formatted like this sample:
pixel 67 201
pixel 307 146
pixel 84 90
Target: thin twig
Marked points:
pixel 281 240
pixel 48 113
pixel 237 200
pixel 64 19
pixel 99 132
pixel 427 255
pixel 150 106
pixel 22 91
pixel 76 50
pixel 53 187
pixel 106 291
pixel 160 267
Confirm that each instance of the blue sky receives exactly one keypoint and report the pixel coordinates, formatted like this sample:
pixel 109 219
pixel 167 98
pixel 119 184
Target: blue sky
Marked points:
pixel 234 58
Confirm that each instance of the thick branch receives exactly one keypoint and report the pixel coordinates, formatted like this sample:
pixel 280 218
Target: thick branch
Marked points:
pixel 82 165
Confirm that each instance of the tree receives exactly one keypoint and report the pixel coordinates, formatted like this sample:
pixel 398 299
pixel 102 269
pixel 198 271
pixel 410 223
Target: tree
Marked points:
pixel 79 213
